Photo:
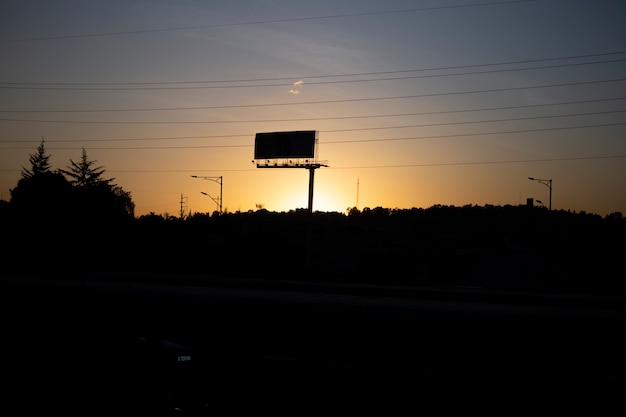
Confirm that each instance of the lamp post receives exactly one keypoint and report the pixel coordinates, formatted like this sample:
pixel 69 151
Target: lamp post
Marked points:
pixel 547 183
pixel 217 180
pixel 211 197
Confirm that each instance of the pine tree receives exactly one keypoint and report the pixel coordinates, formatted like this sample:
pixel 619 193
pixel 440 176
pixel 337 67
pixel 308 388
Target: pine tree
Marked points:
pixel 97 197
pixel 41 195
pixel 40 162
pixel 83 174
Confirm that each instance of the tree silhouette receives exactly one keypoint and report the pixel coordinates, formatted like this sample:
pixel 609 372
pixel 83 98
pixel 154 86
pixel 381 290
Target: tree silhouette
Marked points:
pixel 123 200
pixel 41 197
pixel 83 174
pixel 40 193
pixel 40 162
pixel 98 198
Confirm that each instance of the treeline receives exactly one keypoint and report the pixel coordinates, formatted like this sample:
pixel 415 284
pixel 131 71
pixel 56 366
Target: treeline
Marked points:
pixel 75 219
pixel 499 247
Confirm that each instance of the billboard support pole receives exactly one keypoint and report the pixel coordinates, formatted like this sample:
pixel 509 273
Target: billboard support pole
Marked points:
pixel 309 231
pixel 311 175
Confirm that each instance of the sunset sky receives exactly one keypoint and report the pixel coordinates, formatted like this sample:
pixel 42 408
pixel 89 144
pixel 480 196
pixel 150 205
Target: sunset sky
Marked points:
pixel 416 103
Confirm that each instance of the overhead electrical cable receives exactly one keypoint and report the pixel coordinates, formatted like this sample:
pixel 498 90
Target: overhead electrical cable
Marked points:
pixel 510 119
pixel 365 128
pixel 258 22
pixel 502 132
pixel 434 164
pixel 326 142
pixel 527 61
pixel 505 161
pixel 371 116
pixel 492 90
pixel 57 86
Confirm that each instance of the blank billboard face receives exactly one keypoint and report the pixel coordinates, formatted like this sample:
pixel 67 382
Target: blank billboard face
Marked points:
pixel 297 144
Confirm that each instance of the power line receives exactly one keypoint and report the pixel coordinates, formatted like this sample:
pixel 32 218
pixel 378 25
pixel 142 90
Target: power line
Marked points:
pixel 135 139
pixel 510 119
pixel 510 161
pixel 436 164
pixel 562 103
pixel 527 61
pixel 222 25
pixel 493 90
pixel 502 132
pixel 458 135
pixel 56 86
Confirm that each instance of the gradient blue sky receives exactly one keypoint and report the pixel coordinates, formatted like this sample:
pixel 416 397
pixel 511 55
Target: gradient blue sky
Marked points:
pixel 417 103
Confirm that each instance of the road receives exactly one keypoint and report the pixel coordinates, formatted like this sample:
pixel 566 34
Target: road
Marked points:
pixel 300 348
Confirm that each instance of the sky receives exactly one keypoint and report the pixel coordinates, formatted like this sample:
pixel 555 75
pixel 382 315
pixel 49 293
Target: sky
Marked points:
pixel 416 103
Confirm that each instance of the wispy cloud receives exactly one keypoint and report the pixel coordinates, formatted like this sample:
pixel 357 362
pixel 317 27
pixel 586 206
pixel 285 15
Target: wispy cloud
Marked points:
pixel 296 85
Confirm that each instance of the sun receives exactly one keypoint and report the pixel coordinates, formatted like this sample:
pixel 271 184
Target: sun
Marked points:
pixel 322 201
pixel 326 202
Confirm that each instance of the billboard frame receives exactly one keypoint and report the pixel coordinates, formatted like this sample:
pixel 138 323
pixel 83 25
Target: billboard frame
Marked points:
pixel 283 150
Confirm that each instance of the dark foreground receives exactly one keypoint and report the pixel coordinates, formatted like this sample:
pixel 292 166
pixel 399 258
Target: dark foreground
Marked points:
pixel 122 344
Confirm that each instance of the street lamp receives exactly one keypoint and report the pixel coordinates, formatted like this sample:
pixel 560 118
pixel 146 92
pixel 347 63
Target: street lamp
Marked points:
pixel 217 180
pixel 216 201
pixel 547 183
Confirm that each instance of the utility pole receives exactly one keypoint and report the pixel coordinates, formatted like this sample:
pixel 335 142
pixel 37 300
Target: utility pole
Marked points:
pixel 183 205
pixel 357 193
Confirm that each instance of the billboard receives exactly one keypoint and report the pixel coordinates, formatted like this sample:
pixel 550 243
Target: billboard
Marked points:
pixel 296 144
